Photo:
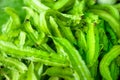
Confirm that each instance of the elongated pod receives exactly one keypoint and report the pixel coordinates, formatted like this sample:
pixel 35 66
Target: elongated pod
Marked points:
pixel 14 16
pixel 106 60
pixel 33 54
pixel 114 70
pixel 60 72
pixel 115 25
pixel 36 4
pixel 92 39
pixel 75 58
pixel 108 8
pixel 63 5
pixel 13 63
pixel 81 40
pixel 30 73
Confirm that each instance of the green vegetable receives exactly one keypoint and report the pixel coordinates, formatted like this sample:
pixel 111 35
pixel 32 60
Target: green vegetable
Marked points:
pixel 31 52
pixel 112 22
pixel 106 60
pixel 62 5
pixel 114 70
pixel 109 8
pixel 8 62
pixel 59 39
pixel 65 73
pixel 30 73
pixel 81 40
pixel 76 61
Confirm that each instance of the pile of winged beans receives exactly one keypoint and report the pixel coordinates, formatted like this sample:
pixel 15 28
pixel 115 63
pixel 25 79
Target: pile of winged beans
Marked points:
pixel 61 40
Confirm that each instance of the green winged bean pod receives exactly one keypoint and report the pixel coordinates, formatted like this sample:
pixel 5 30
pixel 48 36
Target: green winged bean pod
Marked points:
pixel 48 3
pixel 34 15
pixel 36 35
pixel 30 30
pixel 12 27
pixel 14 16
pixel 94 70
pixel 109 8
pixel 60 72
pixel 60 40
pixel 91 45
pixel 6 28
pixel 43 23
pixel 94 67
pixel 54 27
pixel 66 32
pixel 36 5
pixel 81 40
pixel 30 73
pixel 75 58
pixel 33 54
pixel 106 60
pixel 92 42
pixel 90 2
pixel 114 70
pixel 13 64
pixel 38 70
pixel 112 35
pixel 78 8
pixel 63 5
pixel 103 39
pixel 47 25
pixel 22 38
pixel 110 19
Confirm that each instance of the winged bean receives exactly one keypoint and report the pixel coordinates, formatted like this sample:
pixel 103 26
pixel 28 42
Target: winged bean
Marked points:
pixel 33 54
pixel 106 60
pixel 112 21
pixel 10 62
pixel 76 60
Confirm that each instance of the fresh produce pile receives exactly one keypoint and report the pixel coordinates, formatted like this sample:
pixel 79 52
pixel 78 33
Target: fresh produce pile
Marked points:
pixel 61 40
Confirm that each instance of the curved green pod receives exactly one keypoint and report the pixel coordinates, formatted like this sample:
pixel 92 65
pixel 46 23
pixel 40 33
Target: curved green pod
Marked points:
pixel 30 73
pixel 90 2
pixel 110 19
pixel 112 36
pixel 14 16
pixel 54 27
pixel 54 21
pixel 34 15
pixel 63 5
pixel 60 72
pixel 43 23
pixel 36 5
pixel 106 60
pixel 6 28
pixel 30 30
pixel 47 58
pixel 90 44
pixel 13 64
pixel 81 40
pixel 92 39
pixel 114 70
pixel 75 58
pixel 108 8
